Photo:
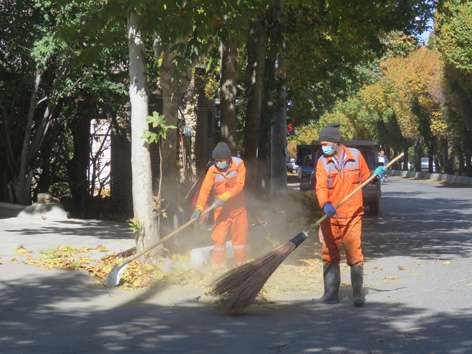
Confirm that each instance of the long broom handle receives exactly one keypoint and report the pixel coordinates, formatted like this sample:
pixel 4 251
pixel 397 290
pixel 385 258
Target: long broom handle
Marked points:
pixel 168 236
pixel 197 180
pixel 367 181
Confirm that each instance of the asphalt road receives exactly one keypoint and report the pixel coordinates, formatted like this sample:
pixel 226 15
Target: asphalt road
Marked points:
pixel 418 280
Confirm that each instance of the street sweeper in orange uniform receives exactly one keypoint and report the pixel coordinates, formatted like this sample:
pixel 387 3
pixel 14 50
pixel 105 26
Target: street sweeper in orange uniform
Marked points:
pixel 338 172
pixel 225 179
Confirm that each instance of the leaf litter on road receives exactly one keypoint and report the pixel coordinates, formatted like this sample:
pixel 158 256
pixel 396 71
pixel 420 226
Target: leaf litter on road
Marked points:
pixel 137 275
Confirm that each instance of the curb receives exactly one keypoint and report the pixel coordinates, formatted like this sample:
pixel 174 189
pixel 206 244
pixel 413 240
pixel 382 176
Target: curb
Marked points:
pixel 12 206
pixel 437 177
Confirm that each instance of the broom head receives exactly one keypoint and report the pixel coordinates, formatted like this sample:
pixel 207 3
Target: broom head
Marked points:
pixel 239 287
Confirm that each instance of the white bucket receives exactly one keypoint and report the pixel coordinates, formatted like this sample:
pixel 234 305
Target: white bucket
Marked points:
pixel 199 256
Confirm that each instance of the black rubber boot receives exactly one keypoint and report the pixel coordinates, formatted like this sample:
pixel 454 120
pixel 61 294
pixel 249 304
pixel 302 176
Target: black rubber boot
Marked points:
pixel 357 275
pixel 332 280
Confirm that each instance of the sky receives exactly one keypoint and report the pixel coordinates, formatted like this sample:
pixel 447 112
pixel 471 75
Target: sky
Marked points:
pixel 423 37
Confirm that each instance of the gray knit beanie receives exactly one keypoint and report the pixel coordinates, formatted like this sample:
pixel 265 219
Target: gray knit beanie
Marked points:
pixel 221 152
pixel 330 133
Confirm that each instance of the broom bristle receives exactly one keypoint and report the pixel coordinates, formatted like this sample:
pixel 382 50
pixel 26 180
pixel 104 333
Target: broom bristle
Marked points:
pixel 239 287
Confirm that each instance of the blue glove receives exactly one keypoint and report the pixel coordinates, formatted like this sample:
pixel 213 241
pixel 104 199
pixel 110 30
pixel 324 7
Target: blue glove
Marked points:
pixel 329 209
pixel 380 171
pixel 196 214
pixel 219 202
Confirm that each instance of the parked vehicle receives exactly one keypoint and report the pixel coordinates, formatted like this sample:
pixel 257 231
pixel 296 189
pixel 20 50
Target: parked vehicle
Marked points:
pixel 305 158
pixel 311 153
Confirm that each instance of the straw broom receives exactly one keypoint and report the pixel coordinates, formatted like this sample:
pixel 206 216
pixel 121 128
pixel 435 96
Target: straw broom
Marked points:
pixel 239 287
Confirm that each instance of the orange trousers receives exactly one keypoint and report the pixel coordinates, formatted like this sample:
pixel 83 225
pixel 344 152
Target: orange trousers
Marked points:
pixel 348 231
pixel 234 221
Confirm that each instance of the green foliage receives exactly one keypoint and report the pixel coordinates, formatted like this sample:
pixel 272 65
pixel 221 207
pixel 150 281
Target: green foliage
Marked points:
pixel 330 44
pixel 455 38
pixel 135 226
pixel 160 128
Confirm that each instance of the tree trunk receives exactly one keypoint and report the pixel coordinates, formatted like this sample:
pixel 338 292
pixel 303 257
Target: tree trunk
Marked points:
pixel 256 51
pixel 170 105
pixel 78 171
pixel 460 154
pixel 140 156
pixel 278 138
pixel 468 163
pixel 418 153
pixel 121 180
pixel 405 157
pixel 431 150
pixel 444 155
pixel 205 130
pixel 22 184
pixel 174 82
pixel 228 90
pixel 263 156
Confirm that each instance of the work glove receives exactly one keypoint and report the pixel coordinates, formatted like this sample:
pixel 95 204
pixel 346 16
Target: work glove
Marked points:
pixel 329 209
pixel 380 171
pixel 196 214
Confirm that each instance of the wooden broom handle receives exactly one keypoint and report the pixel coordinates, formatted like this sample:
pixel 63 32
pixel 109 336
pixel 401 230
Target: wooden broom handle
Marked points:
pixel 366 182
pixel 168 236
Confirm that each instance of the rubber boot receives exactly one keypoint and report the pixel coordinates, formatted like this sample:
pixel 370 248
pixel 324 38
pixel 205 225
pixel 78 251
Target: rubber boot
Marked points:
pixel 332 280
pixel 357 275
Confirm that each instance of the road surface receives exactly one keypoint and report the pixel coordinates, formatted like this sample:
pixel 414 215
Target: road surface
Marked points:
pixel 418 283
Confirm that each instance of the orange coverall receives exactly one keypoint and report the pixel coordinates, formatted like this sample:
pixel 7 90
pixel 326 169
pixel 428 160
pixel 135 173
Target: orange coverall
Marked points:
pixel 334 180
pixel 227 185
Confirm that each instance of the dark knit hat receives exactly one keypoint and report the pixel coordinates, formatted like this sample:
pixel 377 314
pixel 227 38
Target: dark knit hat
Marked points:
pixel 330 133
pixel 221 151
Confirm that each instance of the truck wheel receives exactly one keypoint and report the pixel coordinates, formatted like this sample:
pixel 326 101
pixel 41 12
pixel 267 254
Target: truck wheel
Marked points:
pixel 374 208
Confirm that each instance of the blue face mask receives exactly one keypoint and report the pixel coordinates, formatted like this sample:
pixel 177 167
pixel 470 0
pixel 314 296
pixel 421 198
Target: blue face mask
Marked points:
pixel 222 165
pixel 328 150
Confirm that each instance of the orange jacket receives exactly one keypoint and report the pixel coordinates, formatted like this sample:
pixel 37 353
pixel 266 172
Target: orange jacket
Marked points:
pixel 227 185
pixel 336 180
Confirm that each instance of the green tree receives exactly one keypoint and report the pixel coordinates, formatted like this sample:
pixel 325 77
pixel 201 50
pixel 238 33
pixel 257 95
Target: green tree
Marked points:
pixel 453 37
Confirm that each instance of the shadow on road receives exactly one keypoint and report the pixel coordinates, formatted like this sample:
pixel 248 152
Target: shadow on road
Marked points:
pixel 35 320
pixel 420 227
pixel 96 228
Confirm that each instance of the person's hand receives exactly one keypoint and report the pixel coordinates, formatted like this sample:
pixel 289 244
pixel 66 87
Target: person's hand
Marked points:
pixel 329 209
pixel 380 171
pixel 196 214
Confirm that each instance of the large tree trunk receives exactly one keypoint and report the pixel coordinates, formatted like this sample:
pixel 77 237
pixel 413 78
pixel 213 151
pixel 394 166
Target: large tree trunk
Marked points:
pixel 174 83
pixel 78 171
pixel 263 156
pixel 140 156
pixel 170 105
pixel 278 139
pixel 22 183
pixel 121 180
pixel 256 51
pixel 228 90
pixel 206 129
